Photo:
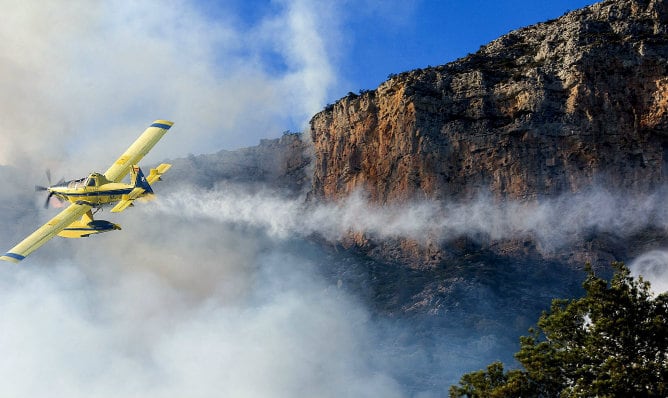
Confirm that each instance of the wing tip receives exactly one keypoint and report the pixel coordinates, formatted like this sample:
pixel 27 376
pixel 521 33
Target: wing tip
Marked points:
pixel 163 124
pixel 12 257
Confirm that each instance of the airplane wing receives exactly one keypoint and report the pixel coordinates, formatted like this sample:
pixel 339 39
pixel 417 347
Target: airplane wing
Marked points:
pixel 137 150
pixel 45 232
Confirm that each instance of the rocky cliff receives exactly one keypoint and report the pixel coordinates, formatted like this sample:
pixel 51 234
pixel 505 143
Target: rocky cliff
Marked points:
pixel 541 110
pixel 551 108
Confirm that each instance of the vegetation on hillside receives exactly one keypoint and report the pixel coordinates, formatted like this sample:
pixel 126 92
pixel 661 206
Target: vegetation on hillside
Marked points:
pixel 613 342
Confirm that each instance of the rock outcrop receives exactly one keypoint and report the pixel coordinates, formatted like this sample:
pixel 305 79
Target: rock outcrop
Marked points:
pixel 541 110
pixel 544 110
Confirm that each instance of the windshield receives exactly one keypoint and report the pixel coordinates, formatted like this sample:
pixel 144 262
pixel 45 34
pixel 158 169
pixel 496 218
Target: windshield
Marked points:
pixel 76 183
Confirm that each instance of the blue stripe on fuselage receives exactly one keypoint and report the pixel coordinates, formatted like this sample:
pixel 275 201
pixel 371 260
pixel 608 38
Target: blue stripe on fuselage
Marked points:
pixel 16 256
pixel 161 126
pixel 100 193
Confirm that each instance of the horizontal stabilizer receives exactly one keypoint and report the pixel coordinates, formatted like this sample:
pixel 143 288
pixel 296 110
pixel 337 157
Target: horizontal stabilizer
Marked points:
pixel 122 205
pixel 127 200
pixel 154 174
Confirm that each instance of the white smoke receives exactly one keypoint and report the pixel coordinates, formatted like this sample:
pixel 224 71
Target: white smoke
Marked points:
pixel 210 293
pixel 653 267
pixel 182 309
pixel 80 80
pixel 552 222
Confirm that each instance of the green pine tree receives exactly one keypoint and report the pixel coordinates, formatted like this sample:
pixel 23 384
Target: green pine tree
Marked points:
pixel 613 342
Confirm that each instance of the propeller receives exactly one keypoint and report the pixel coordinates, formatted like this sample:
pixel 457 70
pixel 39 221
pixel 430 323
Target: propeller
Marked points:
pixel 48 198
pixel 40 188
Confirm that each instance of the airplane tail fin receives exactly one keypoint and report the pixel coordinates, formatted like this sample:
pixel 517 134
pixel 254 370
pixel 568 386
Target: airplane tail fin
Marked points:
pixel 140 181
pixel 142 186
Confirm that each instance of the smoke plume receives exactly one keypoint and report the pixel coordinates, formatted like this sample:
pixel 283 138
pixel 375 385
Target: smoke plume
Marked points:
pixel 552 222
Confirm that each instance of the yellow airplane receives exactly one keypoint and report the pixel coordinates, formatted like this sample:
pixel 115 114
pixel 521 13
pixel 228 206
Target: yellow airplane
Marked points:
pixel 95 191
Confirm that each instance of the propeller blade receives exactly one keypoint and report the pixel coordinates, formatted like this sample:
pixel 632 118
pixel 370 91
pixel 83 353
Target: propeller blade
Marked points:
pixel 39 188
pixel 48 176
pixel 48 198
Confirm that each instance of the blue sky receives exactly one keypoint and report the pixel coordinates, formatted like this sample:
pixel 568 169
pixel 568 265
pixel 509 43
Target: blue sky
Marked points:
pixel 373 39
pixel 436 32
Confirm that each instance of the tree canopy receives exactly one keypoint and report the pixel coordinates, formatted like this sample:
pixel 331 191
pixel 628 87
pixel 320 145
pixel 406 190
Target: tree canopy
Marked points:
pixel 612 342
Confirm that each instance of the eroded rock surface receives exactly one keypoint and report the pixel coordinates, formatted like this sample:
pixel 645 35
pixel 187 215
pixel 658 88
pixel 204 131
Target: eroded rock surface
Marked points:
pixel 549 109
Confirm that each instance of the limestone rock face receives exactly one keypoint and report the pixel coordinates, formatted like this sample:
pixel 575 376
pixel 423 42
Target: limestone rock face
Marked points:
pixel 542 110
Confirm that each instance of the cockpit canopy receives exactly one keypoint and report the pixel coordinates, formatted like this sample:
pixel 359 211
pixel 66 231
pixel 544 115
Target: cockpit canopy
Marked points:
pixel 93 180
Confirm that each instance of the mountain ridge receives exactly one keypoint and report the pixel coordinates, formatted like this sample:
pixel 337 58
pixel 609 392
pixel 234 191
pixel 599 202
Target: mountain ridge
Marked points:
pixel 537 88
pixel 550 109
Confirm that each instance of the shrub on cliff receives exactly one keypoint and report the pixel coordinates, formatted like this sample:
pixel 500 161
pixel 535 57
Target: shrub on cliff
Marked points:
pixel 611 342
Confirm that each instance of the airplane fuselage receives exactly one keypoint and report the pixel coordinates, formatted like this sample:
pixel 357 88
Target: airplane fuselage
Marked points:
pixel 96 196
pixel 96 190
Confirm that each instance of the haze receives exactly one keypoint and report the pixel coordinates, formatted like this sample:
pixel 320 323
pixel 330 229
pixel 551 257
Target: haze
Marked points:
pixel 214 293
